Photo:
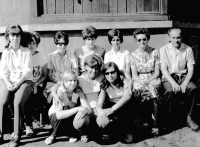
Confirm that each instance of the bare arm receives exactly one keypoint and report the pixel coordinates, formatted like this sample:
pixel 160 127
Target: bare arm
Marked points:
pixel 50 75
pixel 84 102
pixel 155 74
pixel 135 74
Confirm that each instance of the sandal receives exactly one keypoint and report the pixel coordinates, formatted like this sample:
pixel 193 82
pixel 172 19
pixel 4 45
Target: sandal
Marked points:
pixel 50 140
pixel 84 138
pixel 73 139
pixel 14 142
pixel 29 132
pixel 155 131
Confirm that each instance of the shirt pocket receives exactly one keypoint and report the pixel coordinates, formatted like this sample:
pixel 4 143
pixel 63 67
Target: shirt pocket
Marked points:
pixel 182 64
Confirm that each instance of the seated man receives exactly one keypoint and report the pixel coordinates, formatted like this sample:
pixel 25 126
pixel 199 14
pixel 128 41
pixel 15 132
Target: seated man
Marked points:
pixel 177 65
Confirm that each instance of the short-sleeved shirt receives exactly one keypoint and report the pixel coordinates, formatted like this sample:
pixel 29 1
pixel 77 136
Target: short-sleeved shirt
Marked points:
pixel 14 65
pixel 59 66
pixel 121 58
pixel 65 99
pixel 38 63
pixel 82 52
pixel 91 90
pixel 175 59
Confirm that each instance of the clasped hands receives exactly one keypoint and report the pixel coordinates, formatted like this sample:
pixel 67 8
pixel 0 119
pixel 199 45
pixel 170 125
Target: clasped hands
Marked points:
pixel 177 88
pixel 12 86
pixel 104 112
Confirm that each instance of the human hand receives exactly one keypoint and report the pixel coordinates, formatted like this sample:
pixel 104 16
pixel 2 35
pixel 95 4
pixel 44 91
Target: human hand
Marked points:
pixel 100 113
pixel 10 86
pixel 183 87
pixel 108 111
pixel 15 86
pixel 81 113
pixel 175 87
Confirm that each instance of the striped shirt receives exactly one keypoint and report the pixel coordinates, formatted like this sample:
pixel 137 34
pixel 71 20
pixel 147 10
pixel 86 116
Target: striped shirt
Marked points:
pixel 121 58
pixel 14 65
pixel 175 59
pixel 59 66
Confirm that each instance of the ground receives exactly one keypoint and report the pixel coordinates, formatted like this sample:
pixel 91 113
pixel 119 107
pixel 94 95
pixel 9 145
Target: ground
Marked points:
pixel 183 137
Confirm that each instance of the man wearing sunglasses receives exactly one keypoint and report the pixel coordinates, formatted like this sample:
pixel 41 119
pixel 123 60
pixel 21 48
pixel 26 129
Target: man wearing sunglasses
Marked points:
pixel 177 65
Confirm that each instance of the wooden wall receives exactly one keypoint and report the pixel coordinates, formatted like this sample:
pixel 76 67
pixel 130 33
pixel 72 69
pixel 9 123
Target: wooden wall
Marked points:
pixel 102 6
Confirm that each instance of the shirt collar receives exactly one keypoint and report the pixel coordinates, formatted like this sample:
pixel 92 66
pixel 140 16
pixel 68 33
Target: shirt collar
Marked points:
pixel 19 50
pixel 113 52
pixel 58 56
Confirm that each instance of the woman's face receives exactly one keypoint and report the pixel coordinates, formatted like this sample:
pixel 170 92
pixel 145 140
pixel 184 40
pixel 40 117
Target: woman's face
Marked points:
pixel 71 84
pixel 92 71
pixel 142 40
pixel 111 74
pixel 15 37
pixel 61 46
pixel 115 42
pixel 32 45
pixel 90 42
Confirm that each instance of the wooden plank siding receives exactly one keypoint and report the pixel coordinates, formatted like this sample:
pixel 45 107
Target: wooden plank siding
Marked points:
pixel 60 6
pixel 69 6
pixel 51 6
pixel 96 6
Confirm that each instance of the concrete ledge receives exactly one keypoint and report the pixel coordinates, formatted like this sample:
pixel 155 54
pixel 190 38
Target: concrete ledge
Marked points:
pixel 98 25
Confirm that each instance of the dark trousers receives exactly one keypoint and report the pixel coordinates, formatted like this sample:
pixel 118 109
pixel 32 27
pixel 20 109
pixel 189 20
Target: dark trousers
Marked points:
pixel 62 126
pixel 181 103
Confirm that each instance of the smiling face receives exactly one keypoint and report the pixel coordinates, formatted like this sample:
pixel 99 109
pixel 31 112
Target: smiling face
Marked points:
pixel 61 46
pixel 32 45
pixel 175 38
pixel 111 74
pixel 142 40
pixel 115 42
pixel 92 71
pixel 71 84
pixel 14 37
pixel 90 42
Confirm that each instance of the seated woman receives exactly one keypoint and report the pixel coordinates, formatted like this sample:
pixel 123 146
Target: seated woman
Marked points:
pixel 39 76
pixel 117 54
pixel 89 35
pixel 89 82
pixel 145 73
pixel 61 113
pixel 114 107
pixel 16 79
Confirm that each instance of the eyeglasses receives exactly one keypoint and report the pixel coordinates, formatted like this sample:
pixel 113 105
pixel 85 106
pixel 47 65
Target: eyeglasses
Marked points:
pixel 112 72
pixel 60 44
pixel 143 39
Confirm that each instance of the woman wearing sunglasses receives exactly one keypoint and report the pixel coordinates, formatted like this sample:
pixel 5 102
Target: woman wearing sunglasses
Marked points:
pixel 145 73
pixel 114 107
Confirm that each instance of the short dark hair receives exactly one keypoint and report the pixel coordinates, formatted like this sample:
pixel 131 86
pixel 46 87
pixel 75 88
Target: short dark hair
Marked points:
pixel 8 32
pixel 59 35
pixel 89 32
pixel 30 35
pixel 141 31
pixel 113 33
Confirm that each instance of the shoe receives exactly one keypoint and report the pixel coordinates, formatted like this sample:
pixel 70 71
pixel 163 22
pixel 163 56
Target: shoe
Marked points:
pixel 192 124
pixel 84 138
pixel 154 131
pixel 73 139
pixel 29 132
pixel 50 140
pixel 14 142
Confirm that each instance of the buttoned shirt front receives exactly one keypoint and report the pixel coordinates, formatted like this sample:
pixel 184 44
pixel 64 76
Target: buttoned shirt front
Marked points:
pixel 121 58
pixel 59 66
pixel 14 65
pixel 176 59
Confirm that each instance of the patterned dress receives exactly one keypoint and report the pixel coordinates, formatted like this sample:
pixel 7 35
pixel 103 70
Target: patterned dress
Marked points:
pixel 145 65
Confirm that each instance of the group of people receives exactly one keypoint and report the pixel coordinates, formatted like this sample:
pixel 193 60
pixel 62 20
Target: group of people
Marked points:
pixel 93 89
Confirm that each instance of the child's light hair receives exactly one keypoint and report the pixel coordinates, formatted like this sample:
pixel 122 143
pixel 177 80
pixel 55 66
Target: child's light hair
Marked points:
pixel 69 75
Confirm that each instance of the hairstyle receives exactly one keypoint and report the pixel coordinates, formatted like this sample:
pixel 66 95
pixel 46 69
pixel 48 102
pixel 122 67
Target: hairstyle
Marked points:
pixel 93 60
pixel 106 67
pixel 173 29
pixel 9 31
pixel 141 31
pixel 29 37
pixel 89 32
pixel 69 75
pixel 113 33
pixel 59 35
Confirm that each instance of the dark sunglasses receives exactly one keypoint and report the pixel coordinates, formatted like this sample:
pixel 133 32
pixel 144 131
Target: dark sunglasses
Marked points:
pixel 143 39
pixel 60 44
pixel 112 72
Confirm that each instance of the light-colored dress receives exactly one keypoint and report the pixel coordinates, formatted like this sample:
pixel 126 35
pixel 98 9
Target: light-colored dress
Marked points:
pixel 145 64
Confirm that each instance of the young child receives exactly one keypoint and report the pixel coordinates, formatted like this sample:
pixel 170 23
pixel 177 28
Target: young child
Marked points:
pixel 61 113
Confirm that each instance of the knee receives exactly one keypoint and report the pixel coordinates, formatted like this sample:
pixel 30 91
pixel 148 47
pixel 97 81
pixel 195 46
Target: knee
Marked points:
pixel 103 122
pixel 79 123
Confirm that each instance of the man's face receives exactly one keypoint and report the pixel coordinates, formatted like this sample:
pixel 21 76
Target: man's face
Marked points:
pixel 175 38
